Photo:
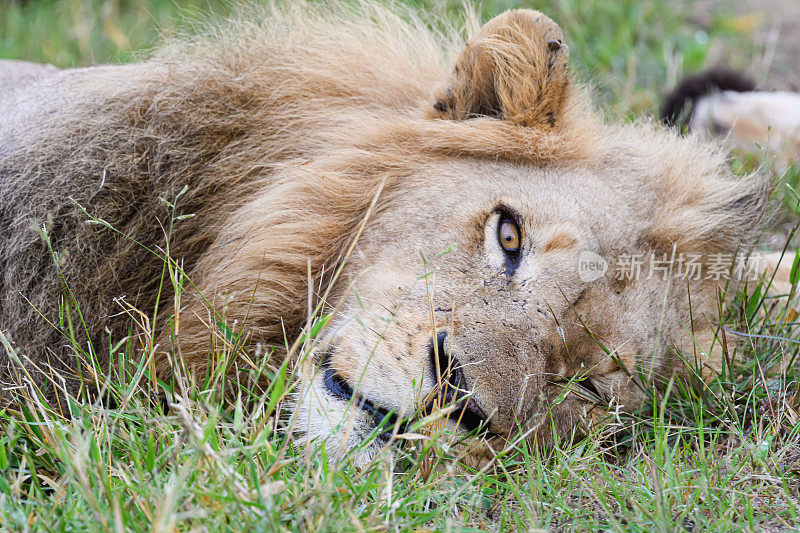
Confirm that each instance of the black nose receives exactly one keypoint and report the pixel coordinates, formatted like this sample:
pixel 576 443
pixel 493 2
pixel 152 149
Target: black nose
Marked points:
pixel 452 384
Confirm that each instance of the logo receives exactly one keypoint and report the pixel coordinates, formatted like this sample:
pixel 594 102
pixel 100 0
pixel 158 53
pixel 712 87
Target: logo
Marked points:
pixel 591 266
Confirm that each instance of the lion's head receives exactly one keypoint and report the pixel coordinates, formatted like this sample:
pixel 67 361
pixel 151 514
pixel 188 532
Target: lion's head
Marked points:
pixel 501 248
pixel 521 288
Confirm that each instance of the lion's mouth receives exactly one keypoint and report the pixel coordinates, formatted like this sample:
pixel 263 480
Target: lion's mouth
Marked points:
pixel 450 391
pixel 454 390
pixel 338 387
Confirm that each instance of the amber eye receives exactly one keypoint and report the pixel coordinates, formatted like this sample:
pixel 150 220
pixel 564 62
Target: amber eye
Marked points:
pixel 508 234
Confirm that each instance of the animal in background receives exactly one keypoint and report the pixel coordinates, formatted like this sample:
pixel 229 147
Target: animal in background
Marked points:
pixel 728 105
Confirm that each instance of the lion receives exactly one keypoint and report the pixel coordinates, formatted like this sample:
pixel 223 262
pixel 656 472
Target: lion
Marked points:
pixel 726 104
pixel 434 198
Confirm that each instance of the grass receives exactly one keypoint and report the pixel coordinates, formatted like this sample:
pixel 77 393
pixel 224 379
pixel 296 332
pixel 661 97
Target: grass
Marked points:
pixel 720 455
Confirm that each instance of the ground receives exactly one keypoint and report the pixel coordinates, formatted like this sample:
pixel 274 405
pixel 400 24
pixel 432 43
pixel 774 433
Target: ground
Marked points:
pixel 719 455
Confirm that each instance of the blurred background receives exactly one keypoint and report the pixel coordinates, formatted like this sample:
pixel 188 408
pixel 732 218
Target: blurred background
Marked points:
pixel 631 50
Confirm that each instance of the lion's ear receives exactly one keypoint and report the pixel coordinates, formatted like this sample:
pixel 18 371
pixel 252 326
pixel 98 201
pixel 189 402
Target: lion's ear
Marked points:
pixel 514 69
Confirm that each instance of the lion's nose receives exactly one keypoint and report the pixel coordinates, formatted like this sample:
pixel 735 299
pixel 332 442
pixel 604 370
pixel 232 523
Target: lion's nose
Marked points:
pixel 452 386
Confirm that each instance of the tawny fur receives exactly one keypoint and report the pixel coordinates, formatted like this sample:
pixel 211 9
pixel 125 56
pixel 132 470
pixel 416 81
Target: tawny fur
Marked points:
pixel 515 68
pixel 218 114
pixel 284 132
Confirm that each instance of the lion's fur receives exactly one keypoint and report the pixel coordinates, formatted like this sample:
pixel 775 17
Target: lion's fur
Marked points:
pixel 284 126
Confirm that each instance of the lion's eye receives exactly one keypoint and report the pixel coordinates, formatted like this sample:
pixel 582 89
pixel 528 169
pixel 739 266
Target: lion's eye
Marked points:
pixel 508 234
